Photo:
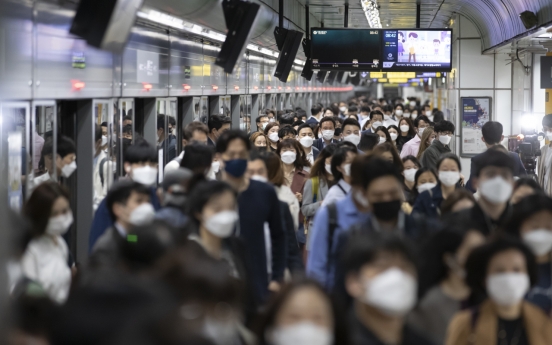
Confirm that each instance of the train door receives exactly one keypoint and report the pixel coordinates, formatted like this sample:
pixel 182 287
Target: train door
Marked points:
pixel 245 113
pixel 166 134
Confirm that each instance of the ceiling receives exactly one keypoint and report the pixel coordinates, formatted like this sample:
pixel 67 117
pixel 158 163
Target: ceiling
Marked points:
pixel 497 20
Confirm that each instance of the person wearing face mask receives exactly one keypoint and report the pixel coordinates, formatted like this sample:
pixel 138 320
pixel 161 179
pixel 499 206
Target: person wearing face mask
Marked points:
pixel 267 167
pixel 394 134
pixel 494 180
pixel 217 125
pixel 212 210
pixel 294 165
pixel 445 131
pixel 411 147
pixel 327 131
pixel 424 179
pixel 271 131
pixel 411 166
pixel 317 186
pixel 129 205
pixel 427 112
pixel 375 120
pixel 384 136
pixel 45 259
pixel 399 112
pixel 305 136
pixel 351 131
pixel 531 222
pixel 380 276
pixel 342 109
pixel 103 169
pixel 499 275
pixel 334 217
pixel 341 170
pixel 140 165
pixel 429 202
pixel 166 140
pixel 388 117
pixel 302 313
pixel 174 196
pixel 427 139
pixel 64 165
pixel 364 116
pixel 257 204
pixel 406 132
pixel 261 122
pixel 195 132
pixel 442 288
pixel 492 137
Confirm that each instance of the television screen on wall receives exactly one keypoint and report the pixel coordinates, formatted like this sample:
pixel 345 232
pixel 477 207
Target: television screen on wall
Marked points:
pixel 345 49
pixel 417 50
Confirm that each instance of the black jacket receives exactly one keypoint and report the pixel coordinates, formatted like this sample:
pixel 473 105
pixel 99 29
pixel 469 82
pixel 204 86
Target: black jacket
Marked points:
pixel 519 169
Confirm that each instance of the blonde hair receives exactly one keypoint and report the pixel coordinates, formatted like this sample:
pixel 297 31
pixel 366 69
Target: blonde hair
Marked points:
pixel 428 132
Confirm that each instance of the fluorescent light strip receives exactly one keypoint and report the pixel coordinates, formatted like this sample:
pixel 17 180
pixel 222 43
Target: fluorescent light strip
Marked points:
pixel 168 20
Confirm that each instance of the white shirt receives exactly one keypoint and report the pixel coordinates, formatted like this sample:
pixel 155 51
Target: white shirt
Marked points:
pixel 310 156
pixel 174 164
pixel 45 261
pixel 337 193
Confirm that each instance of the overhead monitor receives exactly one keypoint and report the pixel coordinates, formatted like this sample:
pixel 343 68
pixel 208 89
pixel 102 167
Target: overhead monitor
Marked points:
pixel 417 50
pixel 345 49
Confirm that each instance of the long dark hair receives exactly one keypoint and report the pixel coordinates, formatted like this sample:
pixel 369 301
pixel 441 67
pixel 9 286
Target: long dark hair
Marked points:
pixel 200 195
pixel 419 173
pixel 39 206
pixel 301 160
pixel 319 166
pixel 269 316
pixel 524 209
pixel 411 130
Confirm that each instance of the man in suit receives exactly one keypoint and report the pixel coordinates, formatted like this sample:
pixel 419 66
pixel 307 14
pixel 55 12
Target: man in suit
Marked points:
pixel 492 137
pixel 327 131
pixel 316 112
pixel 305 136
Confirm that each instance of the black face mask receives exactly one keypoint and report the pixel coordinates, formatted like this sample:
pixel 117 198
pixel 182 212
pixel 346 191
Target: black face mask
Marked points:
pixel 388 210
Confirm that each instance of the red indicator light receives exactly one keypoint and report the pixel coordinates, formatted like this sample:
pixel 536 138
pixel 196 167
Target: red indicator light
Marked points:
pixel 186 87
pixel 236 87
pixel 147 86
pixel 269 87
pixel 215 87
pixel 78 85
pixel 256 87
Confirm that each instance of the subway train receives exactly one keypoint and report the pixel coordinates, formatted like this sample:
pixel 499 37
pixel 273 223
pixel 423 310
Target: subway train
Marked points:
pixel 58 85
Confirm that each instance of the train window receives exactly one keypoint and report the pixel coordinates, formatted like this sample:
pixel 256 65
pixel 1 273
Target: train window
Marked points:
pixel 196 102
pixel 14 133
pixel 105 149
pixel 245 113
pixel 122 133
pixel 204 109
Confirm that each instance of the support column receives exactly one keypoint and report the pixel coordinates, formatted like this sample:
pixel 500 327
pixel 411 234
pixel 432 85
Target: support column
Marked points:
pixel 85 156
pixel 548 97
pixel 235 111
pixel 255 101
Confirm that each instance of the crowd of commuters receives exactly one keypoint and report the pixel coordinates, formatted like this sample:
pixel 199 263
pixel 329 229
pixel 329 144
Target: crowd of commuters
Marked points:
pixel 353 225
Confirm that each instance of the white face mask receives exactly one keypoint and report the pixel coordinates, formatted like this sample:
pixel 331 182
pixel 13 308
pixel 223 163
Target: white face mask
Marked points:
pixel 445 139
pixel 352 138
pixel 69 169
pixel 409 174
pixel 145 175
pixel 394 136
pixel 428 113
pixel 328 134
pixel 222 224
pixel 407 115
pixel 382 140
pixel 142 215
pixel 549 136
pixel 306 141
pixel 377 124
pixel 405 128
pixel 398 112
pixel 104 140
pixel 386 117
pixel 449 178
pixel 259 178
pixel 413 116
pixel 507 289
pixel 328 168
pixel 243 126
pixel 393 292
pixel 496 190
pixel 59 225
pixel 215 167
pixel 347 169
pixel 426 186
pixel 343 109
pixel 540 241
pixel 289 157
pixel 273 137
pixel 271 120
pixel 360 198
pixel 421 131
pixel 302 333
pixel 264 125
pixel 220 332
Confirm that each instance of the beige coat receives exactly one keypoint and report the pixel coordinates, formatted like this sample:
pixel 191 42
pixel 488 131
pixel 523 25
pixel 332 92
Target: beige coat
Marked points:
pixel 538 326
pixel 541 171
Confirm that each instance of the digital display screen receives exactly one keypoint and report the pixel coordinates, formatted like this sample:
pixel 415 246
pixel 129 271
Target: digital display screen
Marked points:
pixel 416 50
pixel 345 49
